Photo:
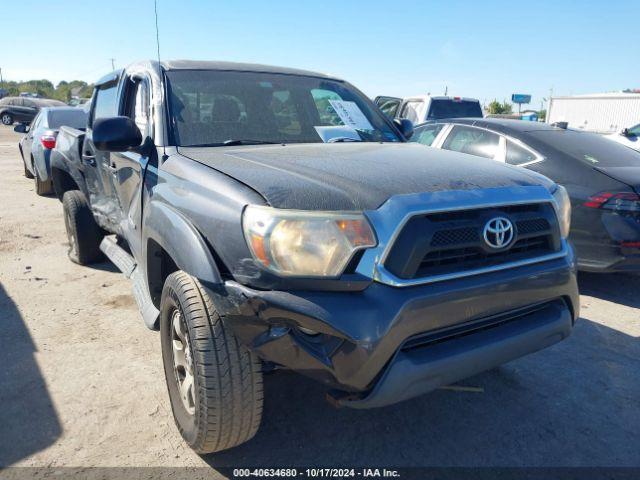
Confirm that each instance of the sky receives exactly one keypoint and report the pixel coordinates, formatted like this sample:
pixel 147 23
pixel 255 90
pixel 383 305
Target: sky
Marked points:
pixel 482 49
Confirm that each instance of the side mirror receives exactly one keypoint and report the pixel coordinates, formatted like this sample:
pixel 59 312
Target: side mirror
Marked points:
pixel 116 134
pixel 405 126
pixel 21 128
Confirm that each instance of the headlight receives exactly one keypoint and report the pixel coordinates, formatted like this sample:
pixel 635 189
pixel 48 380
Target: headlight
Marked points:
pixel 303 243
pixel 563 209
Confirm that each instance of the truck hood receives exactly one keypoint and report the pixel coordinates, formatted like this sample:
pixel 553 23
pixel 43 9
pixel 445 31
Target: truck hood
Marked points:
pixel 355 176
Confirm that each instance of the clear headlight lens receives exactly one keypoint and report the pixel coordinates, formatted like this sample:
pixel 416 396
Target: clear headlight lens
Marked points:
pixel 563 210
pixel 303 243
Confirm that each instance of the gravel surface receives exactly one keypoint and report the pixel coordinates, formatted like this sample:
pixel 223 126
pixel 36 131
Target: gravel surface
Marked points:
pixel 81 381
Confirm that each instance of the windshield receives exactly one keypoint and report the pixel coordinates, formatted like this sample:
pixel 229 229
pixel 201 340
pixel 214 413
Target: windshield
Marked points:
pixel 76 118
pixel 454 109
pixel 216 108
pixel 589 148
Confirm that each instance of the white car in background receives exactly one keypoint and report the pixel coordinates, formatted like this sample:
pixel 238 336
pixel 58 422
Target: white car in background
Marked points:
pixel 629 137
pixel 423 108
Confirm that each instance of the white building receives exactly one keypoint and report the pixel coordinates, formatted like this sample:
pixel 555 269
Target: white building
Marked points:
pixel 602 112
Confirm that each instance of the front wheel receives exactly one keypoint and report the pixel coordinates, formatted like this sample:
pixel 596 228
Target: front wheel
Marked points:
pixel 214 382
pixel 6 118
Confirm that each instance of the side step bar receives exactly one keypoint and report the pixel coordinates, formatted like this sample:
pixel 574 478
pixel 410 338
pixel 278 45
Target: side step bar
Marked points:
pixel 127 265
pixel 118 256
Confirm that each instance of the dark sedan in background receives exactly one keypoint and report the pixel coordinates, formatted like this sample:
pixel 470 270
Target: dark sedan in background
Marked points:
pixel 35 147
pixel 24 109
pixel 602 178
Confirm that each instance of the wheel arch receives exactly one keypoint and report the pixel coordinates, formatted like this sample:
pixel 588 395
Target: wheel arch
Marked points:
pixel 65 179
pixel 172 243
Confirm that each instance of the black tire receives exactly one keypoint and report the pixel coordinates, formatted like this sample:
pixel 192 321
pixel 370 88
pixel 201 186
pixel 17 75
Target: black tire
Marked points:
pixel 27 173
pixel 226 394
pixel 42 188
pixel 83 232
pixel 6 118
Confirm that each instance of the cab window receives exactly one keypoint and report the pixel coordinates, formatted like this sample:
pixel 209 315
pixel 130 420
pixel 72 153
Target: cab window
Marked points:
pixel 410 110
pixel 390 107
pixel 473 141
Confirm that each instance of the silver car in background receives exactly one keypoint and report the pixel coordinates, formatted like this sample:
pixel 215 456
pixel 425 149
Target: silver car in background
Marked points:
pixel 35 147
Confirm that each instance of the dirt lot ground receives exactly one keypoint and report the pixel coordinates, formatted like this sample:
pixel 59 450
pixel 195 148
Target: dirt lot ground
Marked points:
pixel 81 381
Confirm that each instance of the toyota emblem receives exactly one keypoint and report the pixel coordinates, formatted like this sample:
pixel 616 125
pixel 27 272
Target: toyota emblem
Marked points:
pixel 498 232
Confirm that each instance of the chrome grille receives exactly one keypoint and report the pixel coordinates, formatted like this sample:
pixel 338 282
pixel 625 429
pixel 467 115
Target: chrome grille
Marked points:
pixel 450 242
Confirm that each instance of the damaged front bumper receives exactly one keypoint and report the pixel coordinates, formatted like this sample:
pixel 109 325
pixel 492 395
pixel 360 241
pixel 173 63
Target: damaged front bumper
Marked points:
pixel 386 344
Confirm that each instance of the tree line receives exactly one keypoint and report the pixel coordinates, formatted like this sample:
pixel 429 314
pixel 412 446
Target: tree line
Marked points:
pixel 63 91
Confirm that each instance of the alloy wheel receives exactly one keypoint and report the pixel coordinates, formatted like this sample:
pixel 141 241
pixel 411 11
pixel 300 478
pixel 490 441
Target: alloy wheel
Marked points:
pixel 182 361
pixel 73 244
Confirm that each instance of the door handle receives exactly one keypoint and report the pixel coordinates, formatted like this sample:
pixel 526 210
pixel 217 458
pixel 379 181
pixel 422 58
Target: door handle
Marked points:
pixel 89 159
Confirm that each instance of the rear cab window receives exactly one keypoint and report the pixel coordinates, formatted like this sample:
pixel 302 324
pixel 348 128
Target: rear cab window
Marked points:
pixel 451 108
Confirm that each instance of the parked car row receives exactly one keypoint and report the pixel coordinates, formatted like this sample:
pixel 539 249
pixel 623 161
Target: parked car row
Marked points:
pixel 275 218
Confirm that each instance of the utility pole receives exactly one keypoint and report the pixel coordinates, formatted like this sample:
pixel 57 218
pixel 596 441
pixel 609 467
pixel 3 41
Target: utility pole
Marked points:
pixel 1 81
pixel 113 65
pixel 446 90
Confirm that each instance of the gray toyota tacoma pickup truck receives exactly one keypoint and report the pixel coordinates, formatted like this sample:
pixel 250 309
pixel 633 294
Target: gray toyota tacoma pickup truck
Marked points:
pixel 274 218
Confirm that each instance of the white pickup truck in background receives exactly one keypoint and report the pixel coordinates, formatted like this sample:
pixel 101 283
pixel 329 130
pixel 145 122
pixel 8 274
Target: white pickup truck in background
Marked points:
pixel 422 108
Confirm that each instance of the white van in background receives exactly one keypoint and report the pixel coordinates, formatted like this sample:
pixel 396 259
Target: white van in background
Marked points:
pixel 422 108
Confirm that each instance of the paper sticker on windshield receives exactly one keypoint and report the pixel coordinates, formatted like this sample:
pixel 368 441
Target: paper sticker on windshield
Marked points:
pixel 351 115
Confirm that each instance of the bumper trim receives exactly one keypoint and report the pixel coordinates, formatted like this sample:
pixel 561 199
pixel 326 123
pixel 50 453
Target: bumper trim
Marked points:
pixel 385 276
pixel 421 370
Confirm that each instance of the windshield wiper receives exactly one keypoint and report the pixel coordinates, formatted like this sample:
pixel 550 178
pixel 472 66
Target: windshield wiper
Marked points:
pixel 232 141
pixel 342 139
